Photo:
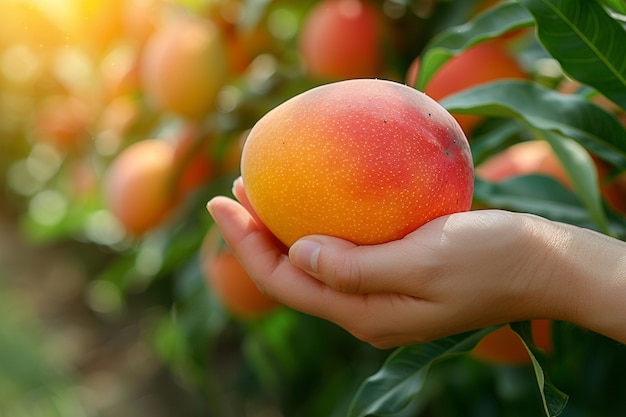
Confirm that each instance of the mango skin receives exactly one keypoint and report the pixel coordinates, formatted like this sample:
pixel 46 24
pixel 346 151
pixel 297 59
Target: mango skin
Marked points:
pixel 342 39
pixel 365 160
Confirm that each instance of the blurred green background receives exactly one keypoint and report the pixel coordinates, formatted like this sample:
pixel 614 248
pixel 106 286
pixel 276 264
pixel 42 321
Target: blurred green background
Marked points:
pixel 98 321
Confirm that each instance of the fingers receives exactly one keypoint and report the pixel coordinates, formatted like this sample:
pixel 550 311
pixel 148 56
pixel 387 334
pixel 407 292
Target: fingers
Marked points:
pixel 383 319
pixel 392 267
pixel 246 237
pixel 269 266
pixel 240 194
pixel 344 266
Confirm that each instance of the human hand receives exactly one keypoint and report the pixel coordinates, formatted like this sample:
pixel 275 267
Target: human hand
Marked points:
pixel 456 273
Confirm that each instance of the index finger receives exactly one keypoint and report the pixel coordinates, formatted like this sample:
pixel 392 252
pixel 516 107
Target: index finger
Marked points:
pixel 269 266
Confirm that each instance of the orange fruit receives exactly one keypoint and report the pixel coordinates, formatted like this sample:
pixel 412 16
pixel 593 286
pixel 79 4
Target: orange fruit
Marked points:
pixel 480 64
pixel 612 186
pixel 149 179
pixel 365 160
pixel 184 66
pixel 524 158
pixel 64 122
pixel 137 185
pixel 244 42
pixel 503 345
pixel 230 282
pixel 193 160
pixel 342 39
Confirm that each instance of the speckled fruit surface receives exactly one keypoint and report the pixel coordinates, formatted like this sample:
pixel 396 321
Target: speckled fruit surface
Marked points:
pixel 366 160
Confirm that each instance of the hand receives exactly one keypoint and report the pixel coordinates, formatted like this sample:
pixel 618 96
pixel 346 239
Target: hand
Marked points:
pixel 456 273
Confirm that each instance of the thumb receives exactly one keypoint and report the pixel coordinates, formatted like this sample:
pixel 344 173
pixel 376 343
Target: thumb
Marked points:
pixel 350 268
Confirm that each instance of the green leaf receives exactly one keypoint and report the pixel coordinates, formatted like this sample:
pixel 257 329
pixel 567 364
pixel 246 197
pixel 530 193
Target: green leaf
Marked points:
pixel 582 171
pixel 543 196
pixel 268 347
pixel 493 136
pixel 618 5
pixel 554 401
pixel 34 379
pixel 587 42
pixel 398 383
pixel 492 23
pixel 547 110
pixel 536 194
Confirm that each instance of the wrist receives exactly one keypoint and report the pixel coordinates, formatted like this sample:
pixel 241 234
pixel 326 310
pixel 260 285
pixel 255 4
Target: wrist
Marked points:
pixel 589 281
pixel 605 303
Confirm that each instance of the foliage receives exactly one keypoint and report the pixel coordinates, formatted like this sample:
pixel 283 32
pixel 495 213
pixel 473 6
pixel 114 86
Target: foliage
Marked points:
pixel 36 384
pixel 287 363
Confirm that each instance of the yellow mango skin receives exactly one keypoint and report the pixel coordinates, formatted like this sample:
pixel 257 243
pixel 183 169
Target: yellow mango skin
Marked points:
pixel 365 160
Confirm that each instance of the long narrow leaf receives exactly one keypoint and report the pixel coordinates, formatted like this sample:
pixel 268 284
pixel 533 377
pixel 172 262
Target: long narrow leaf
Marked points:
pixel 554 401
pixel 588 43
pixel 402 376
pixel 581 170
pixel 544 109
pixel 490 24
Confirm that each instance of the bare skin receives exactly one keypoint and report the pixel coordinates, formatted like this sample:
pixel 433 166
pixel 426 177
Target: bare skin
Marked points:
pixel 456 273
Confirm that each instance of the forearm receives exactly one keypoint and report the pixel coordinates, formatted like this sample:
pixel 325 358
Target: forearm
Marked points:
pixel 588 281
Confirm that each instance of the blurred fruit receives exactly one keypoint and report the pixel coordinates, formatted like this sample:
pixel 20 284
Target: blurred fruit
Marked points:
pixel 140 18
pixel 193 160
pixel 504 346
pixel 230 282
pixel 137 185
pixel 151 178
pixel 342 39
pixel 118 116
pixel 244 41
pixel 364 160
pixel 98 24
pixel 184 66
pixel 612 185
pixel 524 158
pixel 30 25
pixel 569 86
pixel 119 73
pixel 486 62
pixel 246 45
pixel 84 180
pixel 63 121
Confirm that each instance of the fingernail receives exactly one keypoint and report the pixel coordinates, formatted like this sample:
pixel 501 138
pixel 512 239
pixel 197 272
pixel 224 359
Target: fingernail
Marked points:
pixel 235 182
pixel 305 254
pixel 210 209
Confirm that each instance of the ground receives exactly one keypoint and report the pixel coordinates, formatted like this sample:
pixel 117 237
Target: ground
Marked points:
pixel 112 369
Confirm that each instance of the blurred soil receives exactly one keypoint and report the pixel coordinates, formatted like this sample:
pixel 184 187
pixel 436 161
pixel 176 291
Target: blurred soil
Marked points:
pixel 109 359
